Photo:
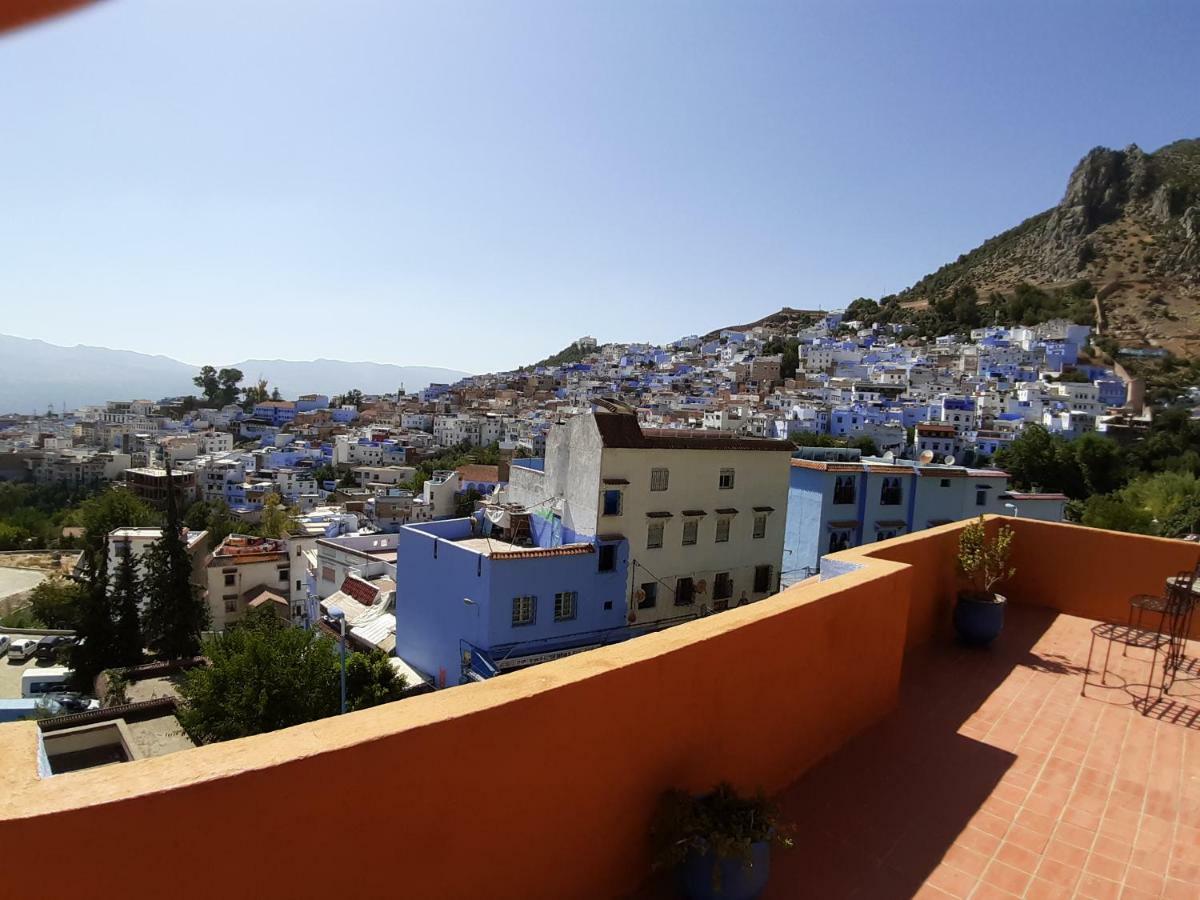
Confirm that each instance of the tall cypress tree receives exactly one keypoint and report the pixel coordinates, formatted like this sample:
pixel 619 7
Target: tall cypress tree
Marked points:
pixel 96 649
pixel 175 612
pixel 123 604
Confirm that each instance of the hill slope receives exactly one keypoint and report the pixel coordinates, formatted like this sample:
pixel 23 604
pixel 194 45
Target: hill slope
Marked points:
pixel 1129 223
pixel 35 374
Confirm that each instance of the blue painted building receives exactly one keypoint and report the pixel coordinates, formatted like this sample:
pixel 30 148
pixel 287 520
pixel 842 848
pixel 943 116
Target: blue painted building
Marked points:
pixel 471 605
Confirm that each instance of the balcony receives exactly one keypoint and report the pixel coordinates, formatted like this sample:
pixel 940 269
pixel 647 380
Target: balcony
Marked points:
pixel 910 766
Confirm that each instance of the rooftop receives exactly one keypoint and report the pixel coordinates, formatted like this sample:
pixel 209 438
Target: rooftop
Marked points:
pixel 910 766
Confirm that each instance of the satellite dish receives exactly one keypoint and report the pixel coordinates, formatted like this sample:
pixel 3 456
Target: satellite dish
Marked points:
pixel 926 457
pixel 889 456
pixel 639 595
pixel 949 460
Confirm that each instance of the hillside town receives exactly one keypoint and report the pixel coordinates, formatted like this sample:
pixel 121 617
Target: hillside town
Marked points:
pixel 626 487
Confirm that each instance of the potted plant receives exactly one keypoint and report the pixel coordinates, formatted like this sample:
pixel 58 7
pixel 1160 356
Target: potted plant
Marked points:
pixel 983 561
pixel 719 844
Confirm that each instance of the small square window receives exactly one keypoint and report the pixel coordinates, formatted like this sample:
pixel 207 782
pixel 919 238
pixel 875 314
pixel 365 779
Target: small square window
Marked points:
pixel 691 528
pixel 981 497
pixel 231 580
pixel 659 479
pixel 722 531
pixel 524 610
pixel 230 606
pixel 284 575
pixel 725 480
pixel 649 595
pixel 945 482
pixel 760 526
pixel 612 503
pixel 654 535
pixel 564 606
pixel 685 592
pixel 608 604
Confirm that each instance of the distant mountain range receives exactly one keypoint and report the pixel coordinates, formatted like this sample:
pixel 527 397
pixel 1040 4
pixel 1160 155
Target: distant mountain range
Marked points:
pixel 35 374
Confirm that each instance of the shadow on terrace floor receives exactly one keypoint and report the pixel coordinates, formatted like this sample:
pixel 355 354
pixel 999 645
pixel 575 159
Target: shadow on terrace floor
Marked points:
pixel 995 778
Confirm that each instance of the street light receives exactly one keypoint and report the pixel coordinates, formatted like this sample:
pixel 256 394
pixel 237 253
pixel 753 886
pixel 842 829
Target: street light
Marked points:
pixel 1013 507
pixel 336 613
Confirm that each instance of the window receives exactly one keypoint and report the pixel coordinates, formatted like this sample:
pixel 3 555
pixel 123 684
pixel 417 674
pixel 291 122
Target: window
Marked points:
pixel 564 606
pixel 654 535
pixel 839 540
pixel 685 592
pixel 299 585
pixel 725 479
pixel 231 580
pixel 981 497
pixel 327 573
pixel 607 557
pixel 889 492
pixel 608 604
pixel 722 586
pixel 760 526
pixel 945 482
pixel 284 574
pixel 843 489
pixel 612 503
pixel 762 579
pixel 523 610
pixel 885 534
pixel 231 604
pixel 722 531
pixel 649 595
pixel 691 528
pixel 659 479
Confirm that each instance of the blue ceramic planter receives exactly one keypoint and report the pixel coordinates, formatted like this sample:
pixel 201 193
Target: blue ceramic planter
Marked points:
pixel 978 622
pixel 737 880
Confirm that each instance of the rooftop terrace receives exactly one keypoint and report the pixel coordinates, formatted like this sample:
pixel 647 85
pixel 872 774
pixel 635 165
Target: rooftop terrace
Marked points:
pixel 910 766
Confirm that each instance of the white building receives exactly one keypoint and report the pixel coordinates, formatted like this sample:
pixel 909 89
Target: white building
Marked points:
pixel 703 513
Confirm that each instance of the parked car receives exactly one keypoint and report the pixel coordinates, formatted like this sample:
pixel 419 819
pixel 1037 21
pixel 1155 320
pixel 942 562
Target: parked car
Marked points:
pixel 22 649
pixel 4 642
pixel 47 647
pixel 71 702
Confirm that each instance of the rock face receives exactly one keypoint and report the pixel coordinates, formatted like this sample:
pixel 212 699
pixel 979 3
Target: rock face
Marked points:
pixel 1129 222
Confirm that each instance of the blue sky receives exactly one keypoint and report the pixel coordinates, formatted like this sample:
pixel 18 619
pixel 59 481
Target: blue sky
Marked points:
pixel 476 184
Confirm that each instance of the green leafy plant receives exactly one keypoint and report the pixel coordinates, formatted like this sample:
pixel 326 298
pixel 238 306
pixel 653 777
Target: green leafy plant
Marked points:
pixel 721 822
pixel 983 560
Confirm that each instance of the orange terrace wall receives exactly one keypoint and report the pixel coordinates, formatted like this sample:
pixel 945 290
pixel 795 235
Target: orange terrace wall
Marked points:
pixel 538 784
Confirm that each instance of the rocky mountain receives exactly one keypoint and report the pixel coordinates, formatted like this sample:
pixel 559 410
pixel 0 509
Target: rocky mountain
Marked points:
pixel 35 375
pixel 1129 223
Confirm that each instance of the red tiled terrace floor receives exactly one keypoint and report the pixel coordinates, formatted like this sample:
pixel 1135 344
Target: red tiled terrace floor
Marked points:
pixel 995 778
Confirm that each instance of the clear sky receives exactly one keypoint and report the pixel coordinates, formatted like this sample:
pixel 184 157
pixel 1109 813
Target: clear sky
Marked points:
pixel 475 185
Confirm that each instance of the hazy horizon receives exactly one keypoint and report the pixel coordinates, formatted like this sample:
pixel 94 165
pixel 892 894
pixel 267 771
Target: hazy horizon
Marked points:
pixel 472 187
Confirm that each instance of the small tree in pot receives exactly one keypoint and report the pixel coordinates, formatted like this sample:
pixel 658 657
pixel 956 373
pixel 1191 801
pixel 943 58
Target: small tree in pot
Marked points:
pixel 983 562
pixel 718 843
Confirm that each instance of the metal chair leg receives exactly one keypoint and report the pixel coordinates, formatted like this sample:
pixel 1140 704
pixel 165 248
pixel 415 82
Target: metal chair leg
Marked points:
pixel 1104 674
pixel 1088 669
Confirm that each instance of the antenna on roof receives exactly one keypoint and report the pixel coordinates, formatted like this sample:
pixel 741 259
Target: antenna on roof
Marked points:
pixel 949 460
pixel 926 457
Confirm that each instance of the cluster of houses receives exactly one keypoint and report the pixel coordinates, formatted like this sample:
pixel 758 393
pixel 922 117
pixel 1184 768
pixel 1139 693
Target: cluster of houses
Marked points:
pixel 640 486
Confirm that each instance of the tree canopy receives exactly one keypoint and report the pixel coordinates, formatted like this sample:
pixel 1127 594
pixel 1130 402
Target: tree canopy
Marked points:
pixel 265 674
pixel 220 388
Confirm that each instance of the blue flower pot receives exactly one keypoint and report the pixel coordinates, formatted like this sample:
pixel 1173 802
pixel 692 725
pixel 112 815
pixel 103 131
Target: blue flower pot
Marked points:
pixel 737 881
pixel 978 622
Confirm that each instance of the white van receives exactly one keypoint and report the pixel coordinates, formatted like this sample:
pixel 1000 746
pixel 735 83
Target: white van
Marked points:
pixel 22 649
pixel 35 681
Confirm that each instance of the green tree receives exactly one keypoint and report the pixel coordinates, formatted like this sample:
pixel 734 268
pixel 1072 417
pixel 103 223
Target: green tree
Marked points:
pixel 105 512
pixel 229 380
pixel 209 384
pixel 215 517
pixel 464 503
pixel 57 602
pixel 96 648
pixel 175 613
pixel 277 520
pixel 352 397
pixel 265 674
pixel 123 605
pixel 256 393
pixel 1115 513
pixel 1101 463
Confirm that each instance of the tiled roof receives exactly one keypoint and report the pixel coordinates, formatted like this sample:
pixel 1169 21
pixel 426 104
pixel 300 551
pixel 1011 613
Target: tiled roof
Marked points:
pixel 622 431
pixel 541 553
pixel 362 591
pixel 479 473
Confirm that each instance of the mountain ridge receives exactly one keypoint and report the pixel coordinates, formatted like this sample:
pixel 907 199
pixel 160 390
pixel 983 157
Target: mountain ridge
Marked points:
pixel 35 373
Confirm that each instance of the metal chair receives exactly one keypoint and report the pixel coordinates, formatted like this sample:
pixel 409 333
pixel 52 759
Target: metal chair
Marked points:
pixel 1140 604
pixel 1170 637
